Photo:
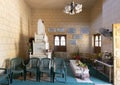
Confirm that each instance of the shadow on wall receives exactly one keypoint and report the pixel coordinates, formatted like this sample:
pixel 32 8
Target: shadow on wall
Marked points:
pixel 21 47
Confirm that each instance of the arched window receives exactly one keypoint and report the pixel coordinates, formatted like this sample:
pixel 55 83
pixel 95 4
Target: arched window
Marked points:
pixel 60 43
pixel 97 43
pixel 57 41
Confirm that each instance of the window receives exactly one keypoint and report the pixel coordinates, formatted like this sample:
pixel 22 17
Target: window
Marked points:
pixel 57 40
pixel 97 40
pixel 60 43
pixel 97 43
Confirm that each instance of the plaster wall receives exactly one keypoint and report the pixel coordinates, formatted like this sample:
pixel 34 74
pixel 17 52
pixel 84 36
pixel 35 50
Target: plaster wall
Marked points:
pixel 14 24
pixel 58 19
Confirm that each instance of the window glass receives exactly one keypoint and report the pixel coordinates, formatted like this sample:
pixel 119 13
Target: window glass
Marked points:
pixel 96 43
pixel 100 44
pixel 100 38
pixel 62 41
pixel 57 41
pixel 96 38
pixel 100 41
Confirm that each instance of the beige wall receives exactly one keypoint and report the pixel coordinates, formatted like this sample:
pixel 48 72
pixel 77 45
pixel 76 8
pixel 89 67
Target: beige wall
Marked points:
pixel 58 19
pixel 14 23
pixel 96 20
pixel 108 14
pixel 111 15
pixel 103 15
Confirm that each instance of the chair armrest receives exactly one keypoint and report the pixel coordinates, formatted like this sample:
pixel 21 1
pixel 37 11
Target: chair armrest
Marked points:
pixel 64 65
pixel 65 68
pixel 5 69
pixel 23 63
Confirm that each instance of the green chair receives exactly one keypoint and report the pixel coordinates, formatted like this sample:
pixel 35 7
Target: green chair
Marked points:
pixel 4 76
pixel 16 67
pixel 33 67
pixel 60 68
pixel 46 67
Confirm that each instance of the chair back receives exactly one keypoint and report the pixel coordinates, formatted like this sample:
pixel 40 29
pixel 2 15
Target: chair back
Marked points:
pixel 15 63
pixel 45 63
pixel 33 63
pixel 58 62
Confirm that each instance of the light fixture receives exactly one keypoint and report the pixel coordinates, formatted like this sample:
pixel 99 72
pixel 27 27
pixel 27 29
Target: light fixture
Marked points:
pixel 73 8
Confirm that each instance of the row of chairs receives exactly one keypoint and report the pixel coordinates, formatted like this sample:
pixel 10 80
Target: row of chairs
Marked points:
pixel 38 67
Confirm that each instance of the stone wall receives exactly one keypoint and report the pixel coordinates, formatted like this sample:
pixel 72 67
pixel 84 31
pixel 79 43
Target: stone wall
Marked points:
pixel 14 24
pixel 55 20
pixel 111 15
pixel 96 21
pixel 104 14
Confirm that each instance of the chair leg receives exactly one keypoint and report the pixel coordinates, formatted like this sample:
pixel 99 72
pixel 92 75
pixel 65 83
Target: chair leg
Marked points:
pixel 65 78
pixel 11 74
pixel 21 74
pixel 53 77
pixel 25 74
pixel 52 74
pixel 62 75
pixel 36 75
pixel 8 78
pixel 40 76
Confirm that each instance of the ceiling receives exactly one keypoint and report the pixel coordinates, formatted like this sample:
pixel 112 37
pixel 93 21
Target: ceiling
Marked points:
pixel 58 4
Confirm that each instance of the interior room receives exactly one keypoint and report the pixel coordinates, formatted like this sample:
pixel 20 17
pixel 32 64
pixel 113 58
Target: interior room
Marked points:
pixel 76 40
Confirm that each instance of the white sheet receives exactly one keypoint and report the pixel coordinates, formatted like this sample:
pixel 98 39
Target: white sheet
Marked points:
pixel 79 70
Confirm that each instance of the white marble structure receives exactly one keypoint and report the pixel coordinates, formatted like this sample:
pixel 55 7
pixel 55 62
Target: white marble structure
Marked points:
pixel 40 43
